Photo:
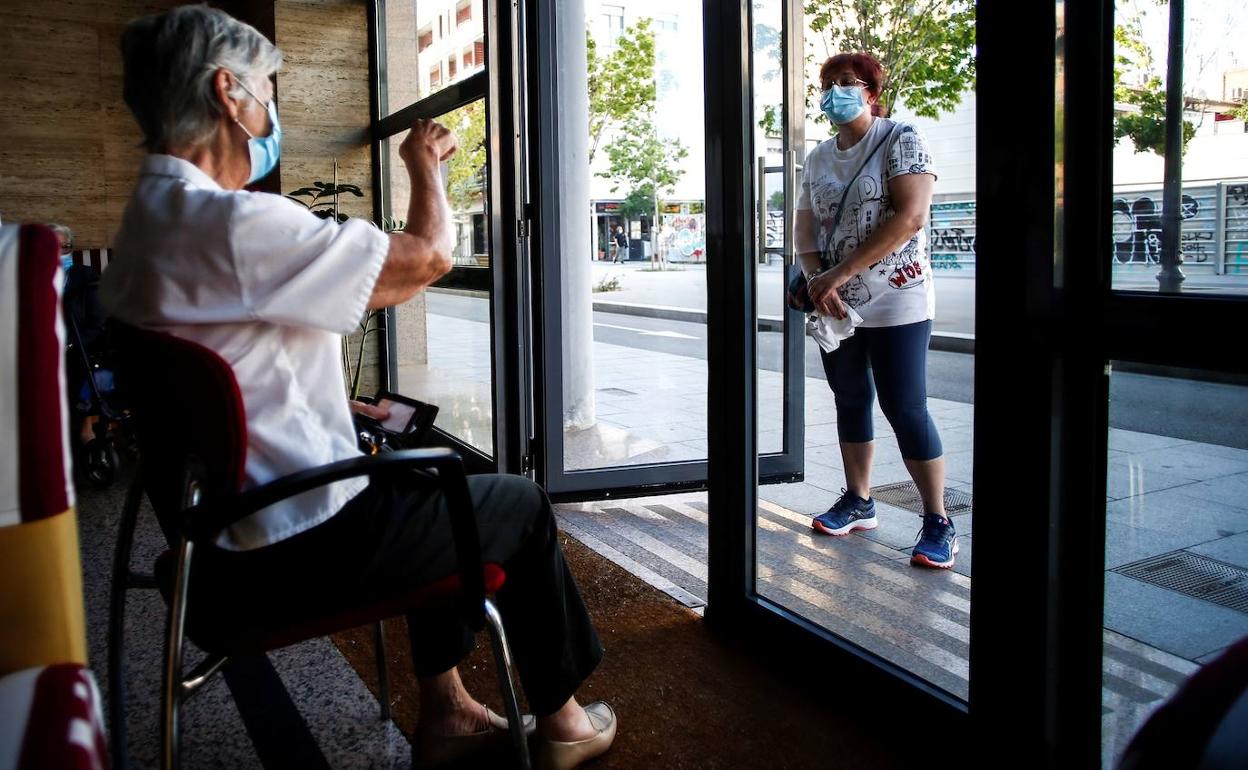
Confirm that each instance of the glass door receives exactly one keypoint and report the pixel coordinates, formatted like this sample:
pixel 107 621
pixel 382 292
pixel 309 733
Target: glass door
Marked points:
pixel 620 230
pixel 458 344
pixel 887 419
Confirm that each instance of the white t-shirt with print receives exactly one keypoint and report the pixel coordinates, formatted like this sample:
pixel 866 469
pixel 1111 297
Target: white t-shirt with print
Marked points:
pixel 270 288
pixel 898 289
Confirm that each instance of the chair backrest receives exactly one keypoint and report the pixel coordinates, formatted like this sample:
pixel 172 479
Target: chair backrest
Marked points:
pixel 188 416
pixel 96 259
pixel 41 607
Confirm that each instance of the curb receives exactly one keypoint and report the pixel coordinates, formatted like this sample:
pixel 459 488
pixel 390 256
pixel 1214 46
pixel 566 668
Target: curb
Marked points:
pixel 953 342
pixel 766 323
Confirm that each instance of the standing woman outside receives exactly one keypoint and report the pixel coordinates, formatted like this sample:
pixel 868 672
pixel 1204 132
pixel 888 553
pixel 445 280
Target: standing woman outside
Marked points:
pixel 873 257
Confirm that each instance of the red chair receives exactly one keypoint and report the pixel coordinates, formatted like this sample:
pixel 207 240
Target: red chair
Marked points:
pixel 191 468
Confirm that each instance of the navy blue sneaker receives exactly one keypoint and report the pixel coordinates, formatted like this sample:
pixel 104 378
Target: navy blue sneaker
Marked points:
pixel 936 544
pixel 848 513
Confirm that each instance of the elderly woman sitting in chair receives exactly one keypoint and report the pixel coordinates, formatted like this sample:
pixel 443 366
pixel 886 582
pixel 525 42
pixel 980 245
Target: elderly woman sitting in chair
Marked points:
pixel 269 288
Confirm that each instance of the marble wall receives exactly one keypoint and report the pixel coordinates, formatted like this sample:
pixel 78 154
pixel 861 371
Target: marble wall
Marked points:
pixel 323 100
pixel 67 142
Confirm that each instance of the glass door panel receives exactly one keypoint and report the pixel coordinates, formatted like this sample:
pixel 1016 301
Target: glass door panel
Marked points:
pixel 625 282
pixel 443 351
pixel 1204 196
pixel 432 64
pixel 862 583
pixel 1172 601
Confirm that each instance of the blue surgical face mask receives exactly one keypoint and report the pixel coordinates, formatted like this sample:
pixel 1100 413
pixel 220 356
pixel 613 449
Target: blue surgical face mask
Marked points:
pixel 67 261
pixel 264 150
pixel 843 103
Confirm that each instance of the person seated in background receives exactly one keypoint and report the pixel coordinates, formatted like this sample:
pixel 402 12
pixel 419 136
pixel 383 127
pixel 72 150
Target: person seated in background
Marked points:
pixel 271 288
pixel 80 307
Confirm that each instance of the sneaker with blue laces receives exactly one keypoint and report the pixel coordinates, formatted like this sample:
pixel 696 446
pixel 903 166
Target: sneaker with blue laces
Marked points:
pixel 936 544
pixel 848 513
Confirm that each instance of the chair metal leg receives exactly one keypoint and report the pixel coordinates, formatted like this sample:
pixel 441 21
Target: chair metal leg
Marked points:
pixel 200 675
pixel 173 686
pixel 383 674
pixel 117 624
pixel 502 662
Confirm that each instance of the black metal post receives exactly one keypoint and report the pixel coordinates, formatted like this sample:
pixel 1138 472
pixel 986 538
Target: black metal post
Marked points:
pixel 1170 276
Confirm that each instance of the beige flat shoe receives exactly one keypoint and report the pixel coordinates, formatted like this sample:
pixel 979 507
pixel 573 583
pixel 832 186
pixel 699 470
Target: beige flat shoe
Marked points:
pixel 433 750
pixel 565 755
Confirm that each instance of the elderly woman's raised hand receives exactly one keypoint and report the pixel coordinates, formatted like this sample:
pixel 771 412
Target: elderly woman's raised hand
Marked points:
pixel 428 141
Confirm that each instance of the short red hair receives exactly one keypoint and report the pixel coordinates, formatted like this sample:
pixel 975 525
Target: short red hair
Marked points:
pixel 864 65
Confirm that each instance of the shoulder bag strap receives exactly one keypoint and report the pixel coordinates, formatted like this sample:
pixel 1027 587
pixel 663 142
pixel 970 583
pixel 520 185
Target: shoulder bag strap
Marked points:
pixel 840 209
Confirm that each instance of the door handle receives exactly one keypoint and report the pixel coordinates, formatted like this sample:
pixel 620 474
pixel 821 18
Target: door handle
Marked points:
pixel 791 169
pixel 761 186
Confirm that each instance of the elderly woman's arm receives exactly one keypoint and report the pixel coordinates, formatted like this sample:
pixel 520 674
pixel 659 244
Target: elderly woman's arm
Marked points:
pixel 422 254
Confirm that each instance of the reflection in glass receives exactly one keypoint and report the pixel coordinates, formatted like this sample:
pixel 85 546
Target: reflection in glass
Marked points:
pixel 443 333
pixel 1176 539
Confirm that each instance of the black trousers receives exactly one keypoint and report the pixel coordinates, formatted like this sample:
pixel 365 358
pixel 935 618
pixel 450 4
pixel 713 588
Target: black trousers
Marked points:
pixel 397 535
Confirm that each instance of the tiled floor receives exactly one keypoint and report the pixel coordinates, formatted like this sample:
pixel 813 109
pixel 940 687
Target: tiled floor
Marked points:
pixel 340 714
pixel 863 589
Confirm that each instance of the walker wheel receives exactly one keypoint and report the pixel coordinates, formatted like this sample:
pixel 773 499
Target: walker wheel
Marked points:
pixel 100 462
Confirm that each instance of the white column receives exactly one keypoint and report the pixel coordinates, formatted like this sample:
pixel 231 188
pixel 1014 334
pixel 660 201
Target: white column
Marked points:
pixel 573 178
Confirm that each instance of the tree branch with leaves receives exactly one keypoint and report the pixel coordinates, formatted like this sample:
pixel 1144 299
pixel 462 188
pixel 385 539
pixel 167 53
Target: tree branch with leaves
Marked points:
pixel 927 48
pixel 620 82
pixel 1137 83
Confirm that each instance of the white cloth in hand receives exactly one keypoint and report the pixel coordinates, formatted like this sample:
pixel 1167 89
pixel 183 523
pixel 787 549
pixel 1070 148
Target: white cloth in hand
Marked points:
pixel 829 331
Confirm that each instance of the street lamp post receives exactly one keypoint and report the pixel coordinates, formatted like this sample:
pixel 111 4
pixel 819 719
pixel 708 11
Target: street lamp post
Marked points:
pixel 1170 276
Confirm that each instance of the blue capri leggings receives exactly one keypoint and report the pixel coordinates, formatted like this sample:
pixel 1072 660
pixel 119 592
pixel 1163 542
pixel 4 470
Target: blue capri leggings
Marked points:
pixel 895 358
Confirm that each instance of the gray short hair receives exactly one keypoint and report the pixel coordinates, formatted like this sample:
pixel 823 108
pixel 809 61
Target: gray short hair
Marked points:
pixel 64 231
pixel 170 60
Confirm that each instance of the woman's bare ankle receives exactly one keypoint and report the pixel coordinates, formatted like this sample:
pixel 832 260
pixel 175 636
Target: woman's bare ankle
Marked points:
pixel 447 708
pixel 569 723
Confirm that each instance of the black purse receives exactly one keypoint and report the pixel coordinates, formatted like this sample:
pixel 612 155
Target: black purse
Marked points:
pixel 797 293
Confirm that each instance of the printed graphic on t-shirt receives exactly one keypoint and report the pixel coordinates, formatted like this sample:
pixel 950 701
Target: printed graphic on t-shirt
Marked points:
pixel 867 206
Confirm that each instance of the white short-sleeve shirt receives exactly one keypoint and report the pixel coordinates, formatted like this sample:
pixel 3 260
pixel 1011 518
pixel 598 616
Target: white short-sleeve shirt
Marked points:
pixel 270 288
pixel 898 289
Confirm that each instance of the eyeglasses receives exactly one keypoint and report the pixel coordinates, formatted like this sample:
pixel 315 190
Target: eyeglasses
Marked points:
pixel 848 81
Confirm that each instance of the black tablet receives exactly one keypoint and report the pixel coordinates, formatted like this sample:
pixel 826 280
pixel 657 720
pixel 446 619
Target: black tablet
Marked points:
pixel 408 417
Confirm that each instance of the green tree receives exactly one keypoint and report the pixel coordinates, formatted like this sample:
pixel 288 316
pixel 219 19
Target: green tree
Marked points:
pixel 927 47
pixel 621 82
pixel 623 101
pixel 1137 83
pixel 644 163
pixel 466 168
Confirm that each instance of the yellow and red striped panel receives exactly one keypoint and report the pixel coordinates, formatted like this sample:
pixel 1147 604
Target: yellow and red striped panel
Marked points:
pixel 41 612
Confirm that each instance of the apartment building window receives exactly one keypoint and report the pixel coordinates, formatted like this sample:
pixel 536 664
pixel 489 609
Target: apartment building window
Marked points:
pixel 450 68
pixel 463 13
pixel 424 39
pixel 469 60
pixel 613 18
pixel 435 76
pixel 478 49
